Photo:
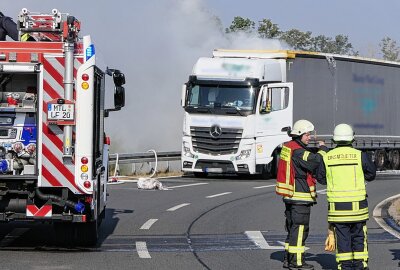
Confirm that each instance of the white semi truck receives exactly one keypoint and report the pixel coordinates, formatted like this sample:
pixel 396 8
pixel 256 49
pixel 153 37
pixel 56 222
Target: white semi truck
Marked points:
pixel 239 105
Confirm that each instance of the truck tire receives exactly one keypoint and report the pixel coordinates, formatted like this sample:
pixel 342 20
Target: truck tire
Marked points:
pixel 394 159
pixel 380 159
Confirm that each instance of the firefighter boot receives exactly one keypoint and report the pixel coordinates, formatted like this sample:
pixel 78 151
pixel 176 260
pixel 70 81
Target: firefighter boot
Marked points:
pixel 303 266
pixel 286 259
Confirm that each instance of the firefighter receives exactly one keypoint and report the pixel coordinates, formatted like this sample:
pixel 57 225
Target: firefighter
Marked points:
pixel 297 186
pixel 7 27
pixel 344 171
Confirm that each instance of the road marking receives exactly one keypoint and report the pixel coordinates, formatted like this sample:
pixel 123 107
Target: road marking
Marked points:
pixel 178 206
pixel 14 234
pixel 322 191
pixel 148 224
pixel 188 185
pixel 259 240
pixel 217 195
pixel 142 251
pixel 265 186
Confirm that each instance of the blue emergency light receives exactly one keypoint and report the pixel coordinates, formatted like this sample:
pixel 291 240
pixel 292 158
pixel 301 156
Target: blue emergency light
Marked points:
pixel 90 51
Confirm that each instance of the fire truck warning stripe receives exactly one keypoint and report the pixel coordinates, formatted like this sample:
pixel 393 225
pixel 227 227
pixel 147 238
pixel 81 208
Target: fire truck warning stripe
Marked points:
pixel 44 211
pixel 59 165
pixel 52 137
pixel 55 173
pixel 50 91
pixel 57 87
pixel 48 65
pixel 50 178
pixel 77 64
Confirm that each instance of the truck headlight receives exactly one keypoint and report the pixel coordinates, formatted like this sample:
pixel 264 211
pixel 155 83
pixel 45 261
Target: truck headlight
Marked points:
pixel 186 150
pixel 244 154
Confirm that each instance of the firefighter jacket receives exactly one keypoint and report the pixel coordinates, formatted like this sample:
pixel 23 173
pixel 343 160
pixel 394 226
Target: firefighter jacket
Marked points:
pixel 344 171
pixel 7 27
pixel 294 179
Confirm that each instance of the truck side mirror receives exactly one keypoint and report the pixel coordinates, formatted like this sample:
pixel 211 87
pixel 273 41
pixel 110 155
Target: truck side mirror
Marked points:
pixel 119 78
pixel 119 90
pixel 183 95
pixel 119 97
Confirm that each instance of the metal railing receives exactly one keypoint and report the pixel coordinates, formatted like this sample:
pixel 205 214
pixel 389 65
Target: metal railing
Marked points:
pixel 144 157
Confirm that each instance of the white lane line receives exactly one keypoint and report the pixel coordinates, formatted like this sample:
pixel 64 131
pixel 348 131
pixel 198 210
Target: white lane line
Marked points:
pixel 148 224
pixel 178 206
pixel 141 248
pixel 14 234
pixel 259 240
pixel 217 195
pixel 265 186
pixel 188 185
pixel 322 191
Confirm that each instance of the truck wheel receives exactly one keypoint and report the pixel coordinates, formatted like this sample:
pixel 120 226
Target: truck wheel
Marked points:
pixel 380 159
pixel 394 159
pixel 200 174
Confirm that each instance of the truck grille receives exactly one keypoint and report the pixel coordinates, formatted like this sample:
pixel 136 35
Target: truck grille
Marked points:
pixel 226 143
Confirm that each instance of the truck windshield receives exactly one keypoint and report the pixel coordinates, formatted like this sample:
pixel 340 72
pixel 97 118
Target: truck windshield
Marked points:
pixel 238 98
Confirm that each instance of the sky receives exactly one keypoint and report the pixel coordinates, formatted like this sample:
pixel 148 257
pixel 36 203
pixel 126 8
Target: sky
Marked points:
pixel 157 42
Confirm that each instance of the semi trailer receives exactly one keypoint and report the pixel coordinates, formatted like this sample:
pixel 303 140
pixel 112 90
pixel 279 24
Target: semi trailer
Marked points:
pixel 53 148
pixel 240 104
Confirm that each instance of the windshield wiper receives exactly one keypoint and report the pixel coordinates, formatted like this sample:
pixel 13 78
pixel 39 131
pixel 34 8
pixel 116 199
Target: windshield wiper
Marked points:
pixel 237 110
pixel 200 109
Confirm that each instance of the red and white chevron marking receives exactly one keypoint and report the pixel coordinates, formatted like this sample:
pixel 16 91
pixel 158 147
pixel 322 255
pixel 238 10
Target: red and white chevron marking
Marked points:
pixel 55 172
pixel 44 211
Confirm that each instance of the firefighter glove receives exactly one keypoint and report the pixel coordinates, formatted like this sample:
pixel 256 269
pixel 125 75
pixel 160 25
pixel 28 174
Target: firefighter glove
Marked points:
pixel 330 241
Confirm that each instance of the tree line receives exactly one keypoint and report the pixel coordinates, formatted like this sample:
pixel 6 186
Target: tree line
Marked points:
pixel 305 41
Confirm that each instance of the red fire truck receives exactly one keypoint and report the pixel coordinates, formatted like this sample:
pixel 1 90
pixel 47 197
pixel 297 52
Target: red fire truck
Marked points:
pixel 53 149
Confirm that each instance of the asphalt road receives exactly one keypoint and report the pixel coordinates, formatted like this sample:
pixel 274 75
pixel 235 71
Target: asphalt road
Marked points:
pixel 197 224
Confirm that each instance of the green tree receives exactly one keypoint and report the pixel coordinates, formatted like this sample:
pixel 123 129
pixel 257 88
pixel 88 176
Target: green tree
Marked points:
pixel 297 39
pixel 339 45
pixel 240 24
pixel 342 45
pixel 389 49
pixel 267 29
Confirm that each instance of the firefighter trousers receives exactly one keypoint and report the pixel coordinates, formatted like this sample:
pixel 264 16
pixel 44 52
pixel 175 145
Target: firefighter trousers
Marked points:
pixel 297 226
pixel 351 245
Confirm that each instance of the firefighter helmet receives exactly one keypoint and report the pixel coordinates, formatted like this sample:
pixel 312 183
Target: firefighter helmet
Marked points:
pixel 343 133
pixel 301 127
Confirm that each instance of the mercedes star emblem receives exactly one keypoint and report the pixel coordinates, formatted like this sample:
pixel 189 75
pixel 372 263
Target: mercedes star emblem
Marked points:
pixel 215 131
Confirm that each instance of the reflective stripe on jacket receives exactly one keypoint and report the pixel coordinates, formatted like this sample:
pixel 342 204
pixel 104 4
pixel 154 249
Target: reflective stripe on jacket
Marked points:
pixel 346 192
pixel 286 184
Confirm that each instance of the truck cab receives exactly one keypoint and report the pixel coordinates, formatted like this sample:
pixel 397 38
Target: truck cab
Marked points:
pixel 237 111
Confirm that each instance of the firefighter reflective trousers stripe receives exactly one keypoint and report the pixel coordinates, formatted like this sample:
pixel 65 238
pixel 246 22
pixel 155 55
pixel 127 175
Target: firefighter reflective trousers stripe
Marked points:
pixel 297 227
pixel 351 245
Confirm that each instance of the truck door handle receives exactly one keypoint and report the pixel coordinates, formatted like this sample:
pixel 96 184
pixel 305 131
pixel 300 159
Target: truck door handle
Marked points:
pixel 286 129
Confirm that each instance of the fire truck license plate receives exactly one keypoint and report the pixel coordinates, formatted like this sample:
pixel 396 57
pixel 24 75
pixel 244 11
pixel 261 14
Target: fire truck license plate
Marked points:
pixel 60 111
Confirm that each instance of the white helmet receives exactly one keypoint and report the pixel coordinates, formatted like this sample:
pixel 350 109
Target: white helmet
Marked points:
pixel 301 127
pixel 343 133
